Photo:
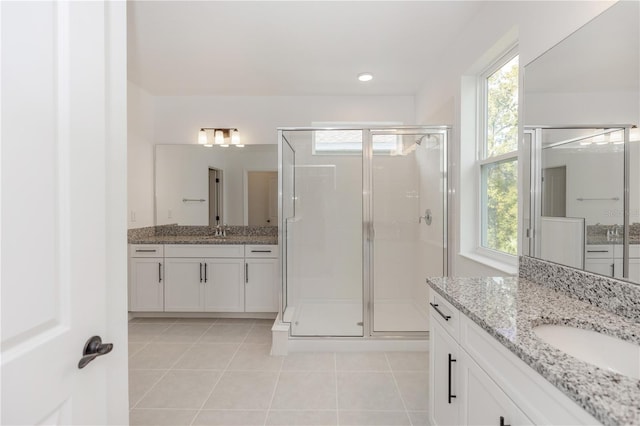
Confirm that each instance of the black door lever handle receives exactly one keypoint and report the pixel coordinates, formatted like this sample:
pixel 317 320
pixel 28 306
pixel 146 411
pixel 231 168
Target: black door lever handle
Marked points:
pixel 93 349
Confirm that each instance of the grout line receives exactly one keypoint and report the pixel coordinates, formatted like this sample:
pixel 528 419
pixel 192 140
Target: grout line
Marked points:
pixel 171 366
pixel 224 371
pixel 273 394
pixel 335 375
pixel 393 375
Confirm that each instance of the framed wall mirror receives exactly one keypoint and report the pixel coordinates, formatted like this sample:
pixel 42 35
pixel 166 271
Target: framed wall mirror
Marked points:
pixel 582 147
pixel 197 185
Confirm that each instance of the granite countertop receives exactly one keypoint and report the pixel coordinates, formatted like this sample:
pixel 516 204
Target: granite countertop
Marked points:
pixel 204 239
pixel 602 239
pixel 508 309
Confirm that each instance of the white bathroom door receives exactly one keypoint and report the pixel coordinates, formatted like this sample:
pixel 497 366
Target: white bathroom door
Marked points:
pixel 63 211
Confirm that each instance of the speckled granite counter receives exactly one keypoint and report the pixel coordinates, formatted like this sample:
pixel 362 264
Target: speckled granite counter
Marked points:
pixel 176 234
pixel 206 239
pixel 508 309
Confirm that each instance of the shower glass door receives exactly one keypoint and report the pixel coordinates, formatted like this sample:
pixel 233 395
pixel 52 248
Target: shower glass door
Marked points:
pixel 322 231
pixel 408 217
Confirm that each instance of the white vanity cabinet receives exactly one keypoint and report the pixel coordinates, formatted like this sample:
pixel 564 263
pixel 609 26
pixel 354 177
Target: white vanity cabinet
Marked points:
pixel 483 402
pixel 146 278
pixel 444 387
pixel 204 278
pixel 474 379
pixel 261 278
pixel 606 259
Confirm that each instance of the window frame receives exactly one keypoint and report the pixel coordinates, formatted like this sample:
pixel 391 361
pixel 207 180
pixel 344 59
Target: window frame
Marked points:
pixel 482 159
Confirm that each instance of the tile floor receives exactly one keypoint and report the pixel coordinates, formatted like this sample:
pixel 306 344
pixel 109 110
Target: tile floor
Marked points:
pixel 219 372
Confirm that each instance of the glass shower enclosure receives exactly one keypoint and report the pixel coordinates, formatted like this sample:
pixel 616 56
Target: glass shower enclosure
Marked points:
pixel 363 222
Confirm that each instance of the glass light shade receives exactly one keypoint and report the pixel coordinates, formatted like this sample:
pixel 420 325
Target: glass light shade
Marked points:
pixel 365 76
pixel 202 137
pixel 219 137
pixel 235 137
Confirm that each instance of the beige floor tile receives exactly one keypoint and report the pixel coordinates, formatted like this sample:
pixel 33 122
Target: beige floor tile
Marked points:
pixel 414 389
pixel 196 321
pixel 361 361
pixel 371 418
pixel 181 389
pixel 305 390
pixel 158 355
pixel 226 333
pixel 246 321
pixel 144 417
pixel 367 391
pixel 243 390
pixel 153 320
pixel 230 418
pixel 146 332
pixel 259 334
pixel 265 322
pixel 302 418
pixel 408 361
pixel 135 347
pixel 252 356
pixel 140 381
pixel 208 356
pixel 182 333
pixel 419 418
pixel 309 361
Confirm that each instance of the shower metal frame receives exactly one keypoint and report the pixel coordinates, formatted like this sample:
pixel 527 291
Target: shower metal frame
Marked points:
pixel 368 235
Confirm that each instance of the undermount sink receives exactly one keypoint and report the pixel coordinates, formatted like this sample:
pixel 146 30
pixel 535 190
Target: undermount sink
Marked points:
pixel 601 350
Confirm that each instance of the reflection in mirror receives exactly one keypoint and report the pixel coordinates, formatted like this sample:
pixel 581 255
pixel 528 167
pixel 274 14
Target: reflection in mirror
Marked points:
pixel 197 185
pixel 585 206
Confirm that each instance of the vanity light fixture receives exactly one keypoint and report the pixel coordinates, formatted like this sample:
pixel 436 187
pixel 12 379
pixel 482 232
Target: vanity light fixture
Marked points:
pixel 365 76
pixel 218 137
pixel 202 138
pixel 222 137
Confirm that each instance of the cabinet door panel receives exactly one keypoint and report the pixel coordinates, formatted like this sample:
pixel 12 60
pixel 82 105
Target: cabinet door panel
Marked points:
pixel 599 266
pixel 224 286
pixel 443 409
pixel 146 293
pixel 261 292
pixel 182 285
pixel 484 402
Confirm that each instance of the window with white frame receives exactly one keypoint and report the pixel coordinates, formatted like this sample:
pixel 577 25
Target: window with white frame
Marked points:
pixel 498 156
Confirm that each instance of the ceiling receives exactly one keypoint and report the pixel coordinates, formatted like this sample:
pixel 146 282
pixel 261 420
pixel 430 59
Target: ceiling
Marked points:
pixel 269 48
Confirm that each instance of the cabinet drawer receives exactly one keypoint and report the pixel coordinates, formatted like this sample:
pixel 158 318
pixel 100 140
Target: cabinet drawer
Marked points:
pixel 146 250
pixel 599 251
pixel 445 313
pixel 251 251
pixel 201 250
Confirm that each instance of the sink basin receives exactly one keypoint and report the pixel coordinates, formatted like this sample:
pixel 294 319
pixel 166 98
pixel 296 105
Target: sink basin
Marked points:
pixel 601 350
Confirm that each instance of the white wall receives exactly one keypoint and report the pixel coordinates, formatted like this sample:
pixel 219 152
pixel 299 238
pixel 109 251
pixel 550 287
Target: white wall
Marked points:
pixel 139 157
pixel 537 26
pixel 177 119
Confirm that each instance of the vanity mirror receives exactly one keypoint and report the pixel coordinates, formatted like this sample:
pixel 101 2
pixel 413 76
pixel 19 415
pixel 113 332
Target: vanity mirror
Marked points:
pixel 197 185
pixel 581 106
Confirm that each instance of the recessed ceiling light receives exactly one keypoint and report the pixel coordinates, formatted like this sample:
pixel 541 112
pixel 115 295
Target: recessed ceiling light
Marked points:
pixel 365 76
